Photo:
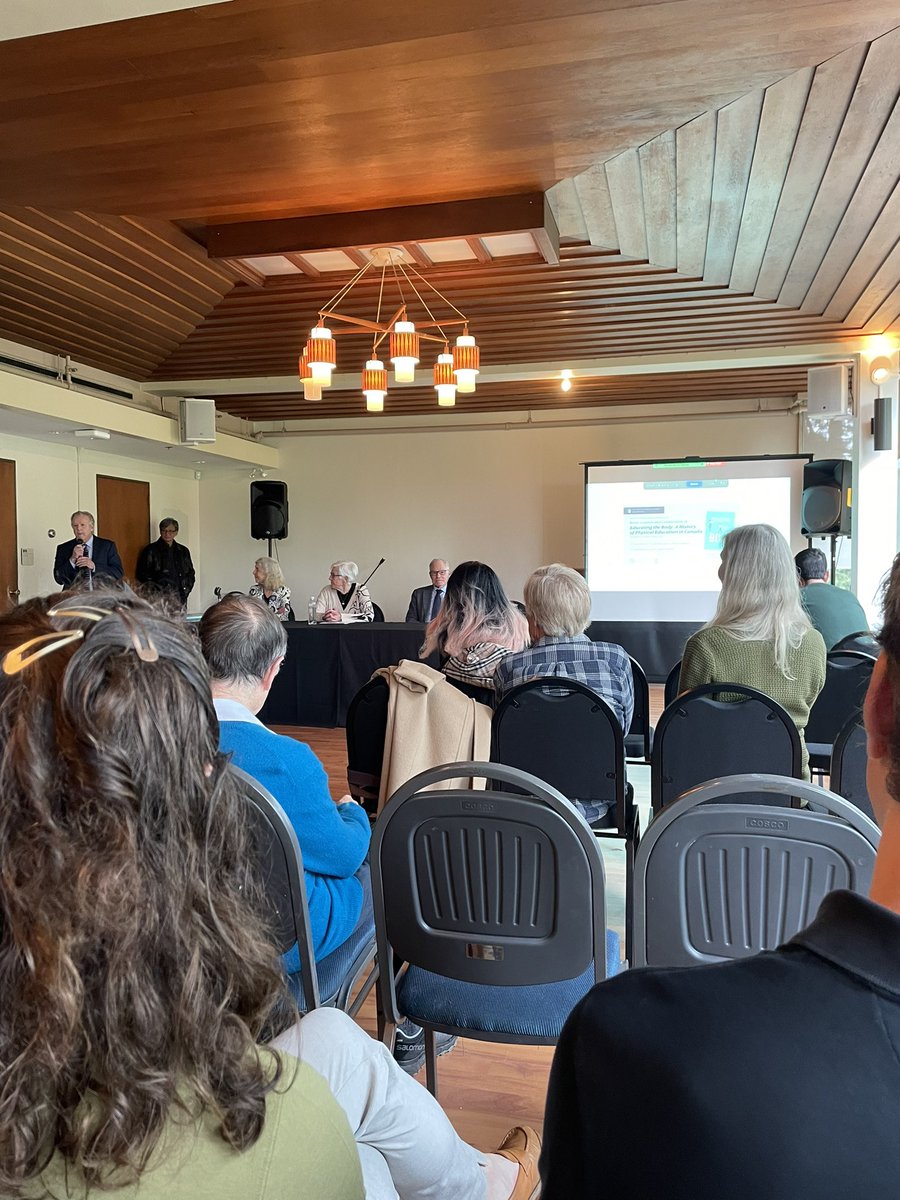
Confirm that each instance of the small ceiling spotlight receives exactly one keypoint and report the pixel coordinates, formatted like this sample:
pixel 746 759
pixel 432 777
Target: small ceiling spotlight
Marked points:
pixel 566 381
pixel 881 371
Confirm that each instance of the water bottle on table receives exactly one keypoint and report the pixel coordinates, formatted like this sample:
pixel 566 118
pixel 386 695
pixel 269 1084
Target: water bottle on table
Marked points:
pixel 311 611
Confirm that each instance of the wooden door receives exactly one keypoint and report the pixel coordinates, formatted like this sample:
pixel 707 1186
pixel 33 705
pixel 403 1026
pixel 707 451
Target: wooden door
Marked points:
pixel 9 537
pixel 123 514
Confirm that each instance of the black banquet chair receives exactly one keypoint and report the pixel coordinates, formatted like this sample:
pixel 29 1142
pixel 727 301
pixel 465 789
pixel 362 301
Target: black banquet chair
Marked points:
pixel 864 641
pixel 366 726
pixel 847 675
pixel 494 900
pixel 713 884
pixel 639 738
pixel 670 692
pixel 849 760
pixel 377 612
pixel 702 736
pixel 560 731
pixel 330 983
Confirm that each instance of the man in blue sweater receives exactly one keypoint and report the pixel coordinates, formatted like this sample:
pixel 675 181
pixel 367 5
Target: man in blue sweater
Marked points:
pixel 244 645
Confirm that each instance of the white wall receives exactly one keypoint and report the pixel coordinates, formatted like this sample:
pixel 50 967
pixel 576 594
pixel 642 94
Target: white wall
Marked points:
pixel 52 480
pixel 513 498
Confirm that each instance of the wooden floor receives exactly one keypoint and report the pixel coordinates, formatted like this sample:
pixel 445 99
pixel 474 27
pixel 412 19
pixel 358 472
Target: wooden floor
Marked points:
pixel 484 1087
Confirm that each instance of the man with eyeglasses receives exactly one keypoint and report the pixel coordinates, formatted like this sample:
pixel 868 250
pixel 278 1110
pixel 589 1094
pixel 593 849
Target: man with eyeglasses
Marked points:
pixel 425 602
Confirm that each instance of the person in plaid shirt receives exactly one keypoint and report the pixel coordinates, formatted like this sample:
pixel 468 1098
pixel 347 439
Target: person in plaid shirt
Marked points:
pixel 558 607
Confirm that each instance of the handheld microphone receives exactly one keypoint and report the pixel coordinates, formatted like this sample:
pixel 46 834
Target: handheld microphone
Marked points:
pixel 372 572
pixel 217 592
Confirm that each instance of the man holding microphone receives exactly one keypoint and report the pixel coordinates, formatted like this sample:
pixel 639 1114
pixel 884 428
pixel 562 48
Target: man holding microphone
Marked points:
pixel 86 557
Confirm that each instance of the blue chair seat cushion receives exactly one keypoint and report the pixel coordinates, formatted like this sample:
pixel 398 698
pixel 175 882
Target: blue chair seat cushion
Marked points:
pixel 536 1010
pixel 332 970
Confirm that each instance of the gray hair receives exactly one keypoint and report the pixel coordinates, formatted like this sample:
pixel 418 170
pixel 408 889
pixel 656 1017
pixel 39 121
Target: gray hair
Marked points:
pixel 274 575
pixel 241 637
pixel 166 522
pixel 82 512
pixel 558 600
pixel 349 570
pixel 760 596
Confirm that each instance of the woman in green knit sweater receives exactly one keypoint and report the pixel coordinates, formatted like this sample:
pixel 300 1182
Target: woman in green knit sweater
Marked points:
pixel 760 635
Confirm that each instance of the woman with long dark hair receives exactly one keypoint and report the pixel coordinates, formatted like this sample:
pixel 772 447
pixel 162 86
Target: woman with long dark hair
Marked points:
pixel 476 627
pixel 136 975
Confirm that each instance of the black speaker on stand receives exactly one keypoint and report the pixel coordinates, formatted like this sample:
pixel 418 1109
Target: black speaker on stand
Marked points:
pixel 826 509
pixel 268 510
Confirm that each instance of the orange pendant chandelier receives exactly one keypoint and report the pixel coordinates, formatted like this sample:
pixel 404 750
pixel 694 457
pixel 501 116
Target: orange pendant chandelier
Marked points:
pixel 454 371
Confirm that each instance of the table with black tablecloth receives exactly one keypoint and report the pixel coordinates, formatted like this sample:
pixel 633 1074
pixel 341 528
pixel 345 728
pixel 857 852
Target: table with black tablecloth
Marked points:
pixel 327 664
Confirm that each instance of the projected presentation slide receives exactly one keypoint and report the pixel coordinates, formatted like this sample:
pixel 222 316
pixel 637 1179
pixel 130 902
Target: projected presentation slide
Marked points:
pixel 655 530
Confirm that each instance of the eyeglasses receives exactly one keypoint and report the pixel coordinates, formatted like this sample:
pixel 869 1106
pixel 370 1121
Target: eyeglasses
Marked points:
pixel 435 573
pixel 23 656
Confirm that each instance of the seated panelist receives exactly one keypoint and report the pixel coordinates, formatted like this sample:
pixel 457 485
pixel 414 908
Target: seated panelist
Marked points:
pixel 425 602
pixel 271 588
pixel 341 599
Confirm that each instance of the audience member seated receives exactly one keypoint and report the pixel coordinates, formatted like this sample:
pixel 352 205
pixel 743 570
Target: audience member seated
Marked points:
pixel 425 602
pixel 271 588
pixel 558 607
pixel 244 645
pixel 760 635
pixel 476 628
pixel 834 611
pixel 137 978
pixel 773 1076
pixel 342 600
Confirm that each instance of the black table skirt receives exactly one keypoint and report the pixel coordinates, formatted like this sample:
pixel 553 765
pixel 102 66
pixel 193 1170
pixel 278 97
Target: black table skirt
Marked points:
pixel 657 645
pixel 327 664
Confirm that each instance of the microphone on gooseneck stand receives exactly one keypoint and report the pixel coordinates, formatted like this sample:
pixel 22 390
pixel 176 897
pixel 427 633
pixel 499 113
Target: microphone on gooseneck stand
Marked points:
pixel 371 573
pixel 217 593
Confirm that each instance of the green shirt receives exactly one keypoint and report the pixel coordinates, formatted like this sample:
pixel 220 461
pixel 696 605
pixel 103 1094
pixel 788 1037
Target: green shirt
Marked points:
pixel 834 611
pixel 714 656
pixel 305 1152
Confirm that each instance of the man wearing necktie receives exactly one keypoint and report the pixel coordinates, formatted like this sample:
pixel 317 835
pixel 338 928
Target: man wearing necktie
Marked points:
pixel 425 602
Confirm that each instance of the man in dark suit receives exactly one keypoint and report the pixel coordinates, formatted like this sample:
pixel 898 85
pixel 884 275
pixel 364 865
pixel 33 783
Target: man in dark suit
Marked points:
pixel 425 602
pixel 86 557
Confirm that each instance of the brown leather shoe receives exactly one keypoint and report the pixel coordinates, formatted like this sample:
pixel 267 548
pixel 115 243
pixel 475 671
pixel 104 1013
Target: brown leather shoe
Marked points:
pixel 522 1145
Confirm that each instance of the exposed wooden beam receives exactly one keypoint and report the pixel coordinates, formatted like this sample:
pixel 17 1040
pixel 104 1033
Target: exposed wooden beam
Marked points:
pixel 301 264
pixel 244 272
pixel 387 226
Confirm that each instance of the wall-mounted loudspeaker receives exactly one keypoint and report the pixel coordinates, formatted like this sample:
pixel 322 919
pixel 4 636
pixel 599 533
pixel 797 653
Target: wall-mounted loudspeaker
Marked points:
pixel 882 426
pixel 196 420
pixel 827 502
pixel 268 509
pixel 828 390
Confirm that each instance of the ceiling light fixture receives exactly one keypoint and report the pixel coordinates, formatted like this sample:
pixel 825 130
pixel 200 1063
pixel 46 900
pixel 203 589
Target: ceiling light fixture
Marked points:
pixel 566 381
pixel 453 371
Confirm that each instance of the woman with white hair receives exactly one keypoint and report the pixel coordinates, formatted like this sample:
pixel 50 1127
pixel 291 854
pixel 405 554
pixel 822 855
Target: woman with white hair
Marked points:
pixel 271 588
pixel 760 635
pixel 341 599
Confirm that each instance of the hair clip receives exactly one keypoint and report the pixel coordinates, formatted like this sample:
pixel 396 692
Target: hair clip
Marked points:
pixel 143 648
pixel 89 614
pixel 23 656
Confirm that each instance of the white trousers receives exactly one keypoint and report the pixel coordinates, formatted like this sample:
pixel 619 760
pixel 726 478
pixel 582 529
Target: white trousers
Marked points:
pixel 407 1146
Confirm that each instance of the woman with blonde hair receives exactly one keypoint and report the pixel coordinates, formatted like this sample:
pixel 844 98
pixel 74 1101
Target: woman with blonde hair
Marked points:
pixel 476 627
pixel 760 635
pixel 271 588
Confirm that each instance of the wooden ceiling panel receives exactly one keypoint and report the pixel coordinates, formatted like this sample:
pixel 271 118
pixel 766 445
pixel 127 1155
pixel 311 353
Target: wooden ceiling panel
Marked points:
pixel 261 107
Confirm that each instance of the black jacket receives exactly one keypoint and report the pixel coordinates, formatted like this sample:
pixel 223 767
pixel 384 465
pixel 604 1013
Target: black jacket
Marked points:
pixel 165 569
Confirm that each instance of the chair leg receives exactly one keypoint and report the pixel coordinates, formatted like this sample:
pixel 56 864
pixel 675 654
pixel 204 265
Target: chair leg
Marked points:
pixel 368 983
pixel 629 901
pixel 430 1063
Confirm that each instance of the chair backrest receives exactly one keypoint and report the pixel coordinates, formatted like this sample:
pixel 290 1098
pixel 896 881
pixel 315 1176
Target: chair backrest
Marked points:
pixel 701 736
pixel 714 880
pixel 640 718
pixel 281 865
pixel 848 765
pixel 563 733
pixel 365 728
pixel 486 887
pixel 864 641
pixel 847 675
pixel 377 612
pixel 670 691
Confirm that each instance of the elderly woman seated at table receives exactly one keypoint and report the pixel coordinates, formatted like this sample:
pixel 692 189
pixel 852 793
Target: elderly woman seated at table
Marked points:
pixel 341 599
pixel 271 588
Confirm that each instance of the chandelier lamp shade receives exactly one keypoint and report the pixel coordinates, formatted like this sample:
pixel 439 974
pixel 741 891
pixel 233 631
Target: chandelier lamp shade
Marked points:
pixel 374 385
pixel 406 338
pixel 444 380
pixel 311 390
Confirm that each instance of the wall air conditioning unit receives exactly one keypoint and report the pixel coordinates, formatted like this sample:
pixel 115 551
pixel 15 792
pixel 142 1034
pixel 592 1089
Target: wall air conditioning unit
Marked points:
pixel 196 421
pixel 828 391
